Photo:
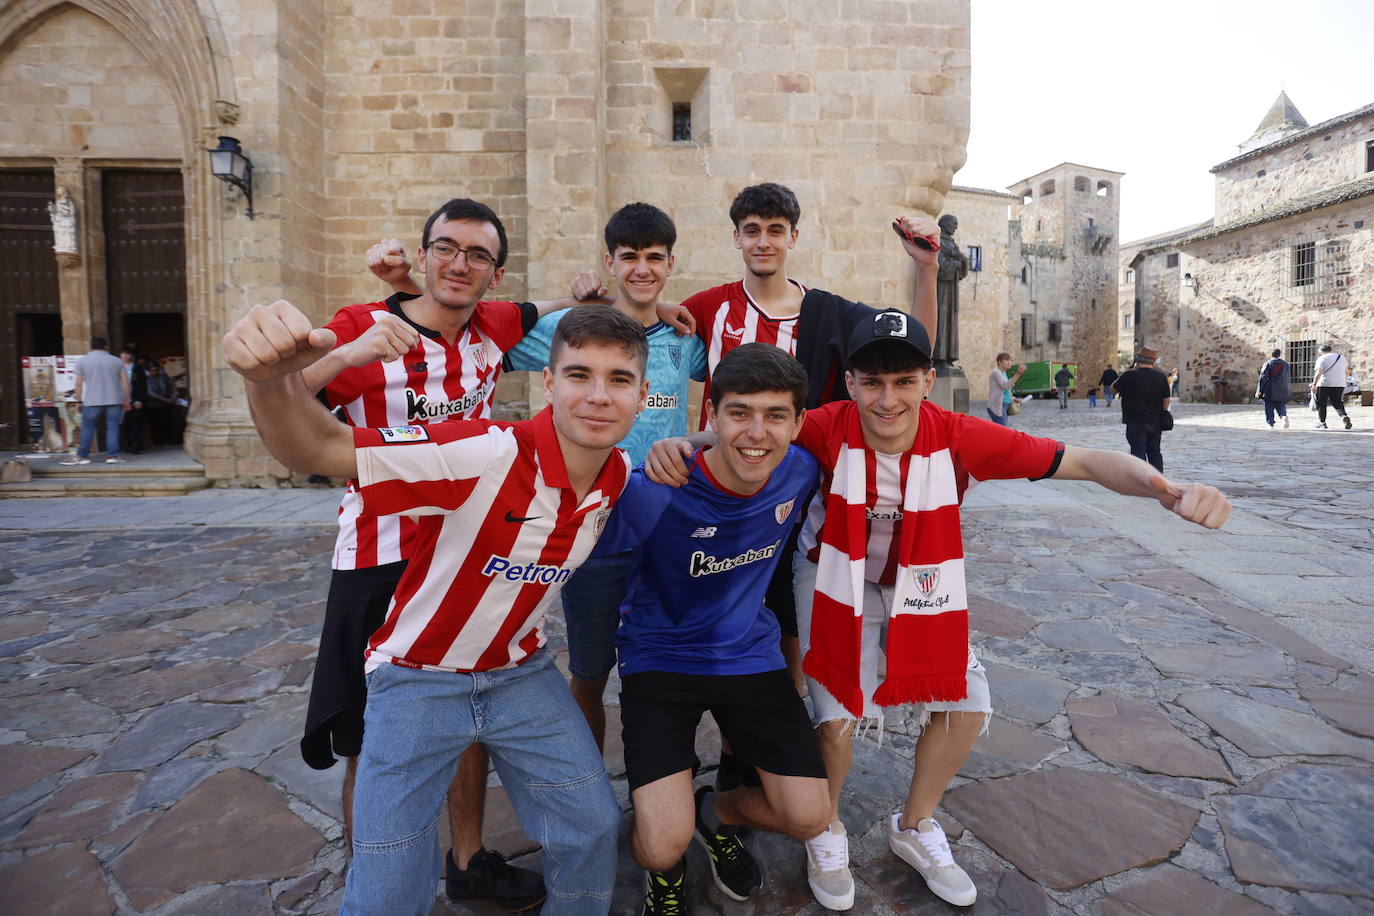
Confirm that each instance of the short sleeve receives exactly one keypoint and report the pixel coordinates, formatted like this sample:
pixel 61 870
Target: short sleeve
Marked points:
pixel 532 353
pixel 699 305
pixel 989 451
pixel 696 360
pixel 636 514
pixel 506 322
pixel 821 427
pixel 422 470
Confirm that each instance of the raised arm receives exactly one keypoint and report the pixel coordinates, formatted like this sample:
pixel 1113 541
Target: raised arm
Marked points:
pixel 387 261
pixel 387 340
pixel 927 267
pixel 1198 503
pixel 269 347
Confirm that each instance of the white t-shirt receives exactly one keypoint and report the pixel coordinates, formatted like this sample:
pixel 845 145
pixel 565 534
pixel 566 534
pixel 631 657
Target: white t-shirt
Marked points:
pixel 1331 369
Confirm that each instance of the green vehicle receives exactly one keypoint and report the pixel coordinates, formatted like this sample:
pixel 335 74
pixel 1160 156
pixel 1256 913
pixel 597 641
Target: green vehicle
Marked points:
pixel 1038 379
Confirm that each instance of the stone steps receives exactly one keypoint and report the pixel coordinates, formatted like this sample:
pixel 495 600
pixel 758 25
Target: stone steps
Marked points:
pixel 162 473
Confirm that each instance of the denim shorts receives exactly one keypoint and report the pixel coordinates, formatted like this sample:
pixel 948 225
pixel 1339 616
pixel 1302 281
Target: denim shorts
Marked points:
pixel 591 609
pixel 877 603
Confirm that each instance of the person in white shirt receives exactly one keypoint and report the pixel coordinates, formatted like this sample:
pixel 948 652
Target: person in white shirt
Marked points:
pixel 1328 383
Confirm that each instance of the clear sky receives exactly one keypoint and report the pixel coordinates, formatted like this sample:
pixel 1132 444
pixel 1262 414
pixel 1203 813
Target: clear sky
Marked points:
pixel 1162 91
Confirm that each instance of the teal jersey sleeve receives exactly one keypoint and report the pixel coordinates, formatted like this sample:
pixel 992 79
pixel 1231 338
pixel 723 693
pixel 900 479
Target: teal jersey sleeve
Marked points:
pixel 531 354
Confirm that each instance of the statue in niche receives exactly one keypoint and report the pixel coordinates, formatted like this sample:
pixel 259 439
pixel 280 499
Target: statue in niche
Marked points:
pixel 62 212
pixel 953 268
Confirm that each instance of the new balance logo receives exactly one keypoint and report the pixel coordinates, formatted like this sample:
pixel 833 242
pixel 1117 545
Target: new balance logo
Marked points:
pixel 707 532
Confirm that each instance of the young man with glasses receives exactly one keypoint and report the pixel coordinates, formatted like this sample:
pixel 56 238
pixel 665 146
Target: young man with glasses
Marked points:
pixel 421 356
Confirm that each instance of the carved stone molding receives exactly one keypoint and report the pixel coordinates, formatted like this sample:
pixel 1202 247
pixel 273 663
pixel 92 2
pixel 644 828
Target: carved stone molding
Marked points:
pixel 227 112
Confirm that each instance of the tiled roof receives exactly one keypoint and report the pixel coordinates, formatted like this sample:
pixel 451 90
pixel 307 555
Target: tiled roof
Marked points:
pixel 1301 135
pixel 1163 240
pixel 1326 197
pixel 968 190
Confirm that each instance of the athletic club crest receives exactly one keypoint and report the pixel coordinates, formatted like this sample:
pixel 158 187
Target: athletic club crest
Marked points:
pixel 675 354
pixel 782 510
pixel 927 578
pixel 478 354
pixel 600 524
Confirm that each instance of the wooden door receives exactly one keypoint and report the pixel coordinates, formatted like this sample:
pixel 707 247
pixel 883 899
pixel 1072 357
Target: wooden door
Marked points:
pixel 28 282
pixel 145 248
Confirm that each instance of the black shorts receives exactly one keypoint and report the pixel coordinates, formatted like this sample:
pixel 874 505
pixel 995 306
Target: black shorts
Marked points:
pixel 759 714
pixel 357 604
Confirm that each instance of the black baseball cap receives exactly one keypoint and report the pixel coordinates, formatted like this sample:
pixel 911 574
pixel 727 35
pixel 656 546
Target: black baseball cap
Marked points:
pixel 890 324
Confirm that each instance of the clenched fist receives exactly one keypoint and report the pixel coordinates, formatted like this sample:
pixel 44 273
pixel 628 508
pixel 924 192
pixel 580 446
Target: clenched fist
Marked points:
pixel 273 341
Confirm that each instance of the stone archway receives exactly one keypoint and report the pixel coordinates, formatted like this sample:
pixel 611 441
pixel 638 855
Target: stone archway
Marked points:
pixel 185 44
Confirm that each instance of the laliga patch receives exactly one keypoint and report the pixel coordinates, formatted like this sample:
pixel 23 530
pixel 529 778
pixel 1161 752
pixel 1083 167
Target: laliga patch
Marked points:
pixel 927 579
pixel 404 434
pixel 782 510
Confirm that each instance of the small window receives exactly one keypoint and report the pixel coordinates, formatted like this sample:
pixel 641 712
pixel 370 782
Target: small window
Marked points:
pixel 1137 311
pixel 1094 305
pixel 1369 156
pixel 1024 272
pixel 1171 260
pixel 1027 196
pixel 1104 189
pixel 1127 321
pixel 975 257
pixel 1130 275
pixel 1305 264
pixel 1027 330
pixel 1080 184
pixel 1039 225
pixel 1092 224
pixel 682 122
pixel 1047 188
pixel 1055 331
pixel 1302 356
pixel 1261 173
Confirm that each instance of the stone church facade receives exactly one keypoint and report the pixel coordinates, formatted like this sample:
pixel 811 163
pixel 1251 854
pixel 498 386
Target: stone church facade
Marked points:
pixel 361 118
pixel 1286 262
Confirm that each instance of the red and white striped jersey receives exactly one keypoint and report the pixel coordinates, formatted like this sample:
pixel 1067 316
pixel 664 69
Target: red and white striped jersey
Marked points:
pixel 434 382
pixel 727 316
pixel 499 532
pixel 981 450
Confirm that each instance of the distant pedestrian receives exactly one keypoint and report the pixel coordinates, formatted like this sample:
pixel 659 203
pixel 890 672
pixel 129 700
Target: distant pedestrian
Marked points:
pixel 1145 396
pixel 1109 377
pixel 1092 396
pixel 162 397
pixel 1328 383
pixel 1274 388
pixel 131 428
pixel 1000 397
pixel 1063 379
pixel 1173 383
pixel 102 392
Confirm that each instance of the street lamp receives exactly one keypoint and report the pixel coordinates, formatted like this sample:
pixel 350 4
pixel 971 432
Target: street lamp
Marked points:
pixel 230 165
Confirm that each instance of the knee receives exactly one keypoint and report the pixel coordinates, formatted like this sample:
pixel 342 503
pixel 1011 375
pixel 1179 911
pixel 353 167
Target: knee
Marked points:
pixel 836 733
pixel 810 820
pixel 660 846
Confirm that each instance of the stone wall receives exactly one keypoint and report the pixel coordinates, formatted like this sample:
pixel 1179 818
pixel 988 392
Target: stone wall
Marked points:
pixel 1125 301
pixel 1242 308
pixel 1293 170
pixel 1158 286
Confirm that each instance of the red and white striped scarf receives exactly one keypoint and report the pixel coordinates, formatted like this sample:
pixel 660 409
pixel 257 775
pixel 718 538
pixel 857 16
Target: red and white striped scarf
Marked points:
pixel 927 634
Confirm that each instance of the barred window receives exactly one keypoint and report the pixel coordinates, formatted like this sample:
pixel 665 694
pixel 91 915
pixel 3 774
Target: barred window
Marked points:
pixel 1302 356
pixel 1305 264
pixel 1027 330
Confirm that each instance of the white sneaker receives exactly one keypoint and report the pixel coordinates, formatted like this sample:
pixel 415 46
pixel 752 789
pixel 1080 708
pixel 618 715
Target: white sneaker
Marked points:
pixel 71 461
pixel 926 850
pixel 827 868
pixel 1285 422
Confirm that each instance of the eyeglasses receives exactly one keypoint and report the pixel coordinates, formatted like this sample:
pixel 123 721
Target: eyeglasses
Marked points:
pixel 478 259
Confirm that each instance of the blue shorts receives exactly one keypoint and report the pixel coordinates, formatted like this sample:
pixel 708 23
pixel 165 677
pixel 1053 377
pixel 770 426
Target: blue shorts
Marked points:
pixel 591 608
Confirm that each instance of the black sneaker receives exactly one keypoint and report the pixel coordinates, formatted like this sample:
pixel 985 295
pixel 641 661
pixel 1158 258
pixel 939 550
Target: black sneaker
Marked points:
pixel 732 864
pixel 1348 424
pixel 664 896
pixel 490 877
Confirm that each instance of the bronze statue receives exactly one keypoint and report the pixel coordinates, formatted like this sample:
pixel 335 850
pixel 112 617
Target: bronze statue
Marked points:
pixel 953 268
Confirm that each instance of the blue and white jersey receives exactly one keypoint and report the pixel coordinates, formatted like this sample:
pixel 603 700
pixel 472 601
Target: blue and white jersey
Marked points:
pixel 673 362
pixel 695 604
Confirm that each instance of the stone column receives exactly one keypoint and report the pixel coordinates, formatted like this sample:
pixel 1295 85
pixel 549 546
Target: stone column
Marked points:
pixel 72 269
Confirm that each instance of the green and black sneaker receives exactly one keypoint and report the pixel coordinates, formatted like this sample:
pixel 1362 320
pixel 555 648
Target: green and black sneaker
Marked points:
pixel 732 864
pixel 664 895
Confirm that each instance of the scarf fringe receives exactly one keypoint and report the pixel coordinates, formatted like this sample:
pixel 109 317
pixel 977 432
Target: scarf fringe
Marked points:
pixel 840 683
pixel 949 688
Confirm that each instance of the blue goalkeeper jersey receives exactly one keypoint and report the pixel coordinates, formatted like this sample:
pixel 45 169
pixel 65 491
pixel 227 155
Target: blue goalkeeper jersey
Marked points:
pixel 695 602
pixel 673 362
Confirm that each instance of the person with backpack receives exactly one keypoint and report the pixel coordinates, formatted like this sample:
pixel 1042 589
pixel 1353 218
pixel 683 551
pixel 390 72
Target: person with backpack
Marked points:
pixel 1274 388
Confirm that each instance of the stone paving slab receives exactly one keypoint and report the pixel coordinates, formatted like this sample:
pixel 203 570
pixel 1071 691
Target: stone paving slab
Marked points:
pixel 142 698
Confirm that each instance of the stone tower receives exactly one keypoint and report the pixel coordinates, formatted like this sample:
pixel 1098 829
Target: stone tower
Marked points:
pixel 1066 218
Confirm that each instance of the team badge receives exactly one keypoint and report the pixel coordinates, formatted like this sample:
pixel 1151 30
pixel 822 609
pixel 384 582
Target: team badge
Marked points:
pixel 478 353
pixel 675 354
pixel 926 578
pixel 404 434
pixel 782 510
pixel 600 524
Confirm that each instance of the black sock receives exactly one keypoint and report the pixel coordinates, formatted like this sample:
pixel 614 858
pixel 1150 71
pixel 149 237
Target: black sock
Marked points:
pixel 674 874
pixel 706 811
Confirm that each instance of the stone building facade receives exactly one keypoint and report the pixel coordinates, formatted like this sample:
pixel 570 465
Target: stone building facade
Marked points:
pixel 361 118
pixel 984 296
pixel 1287 262
pixel 1063 252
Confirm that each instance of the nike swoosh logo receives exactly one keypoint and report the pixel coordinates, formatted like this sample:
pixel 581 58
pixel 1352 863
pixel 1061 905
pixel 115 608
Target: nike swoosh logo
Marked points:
pixel 515 519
